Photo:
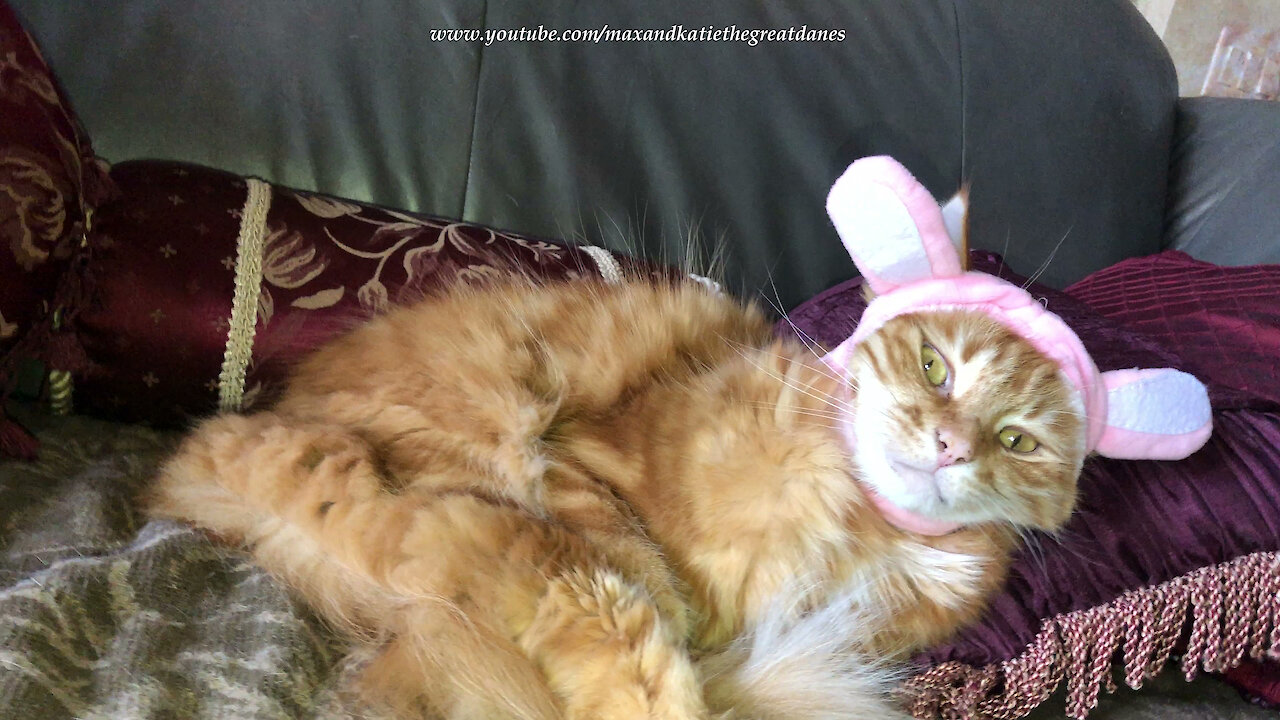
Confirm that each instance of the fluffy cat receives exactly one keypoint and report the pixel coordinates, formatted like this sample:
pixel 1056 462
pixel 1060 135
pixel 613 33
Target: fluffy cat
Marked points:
pixel 633 501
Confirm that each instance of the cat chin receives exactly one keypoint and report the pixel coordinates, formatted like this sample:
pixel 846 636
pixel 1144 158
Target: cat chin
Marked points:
pixel 907 487
pixel 932 494
pixel 919 484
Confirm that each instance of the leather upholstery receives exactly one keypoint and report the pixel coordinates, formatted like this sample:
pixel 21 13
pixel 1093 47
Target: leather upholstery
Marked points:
pixel 1224 194
pixel 1059 114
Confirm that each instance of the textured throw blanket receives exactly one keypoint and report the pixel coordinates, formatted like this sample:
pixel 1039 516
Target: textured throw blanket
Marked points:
pixel 104 615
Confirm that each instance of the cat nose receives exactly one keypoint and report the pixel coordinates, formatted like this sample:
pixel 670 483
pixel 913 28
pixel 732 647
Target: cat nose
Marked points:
pixel 953 447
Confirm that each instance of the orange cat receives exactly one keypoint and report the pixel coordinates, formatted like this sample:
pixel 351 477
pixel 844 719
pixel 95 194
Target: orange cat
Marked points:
pixel 631 501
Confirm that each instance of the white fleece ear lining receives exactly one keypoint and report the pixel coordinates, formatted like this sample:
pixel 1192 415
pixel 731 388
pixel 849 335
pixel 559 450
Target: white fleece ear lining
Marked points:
pixel 890 225
pixel 1157 414
pixel 879 234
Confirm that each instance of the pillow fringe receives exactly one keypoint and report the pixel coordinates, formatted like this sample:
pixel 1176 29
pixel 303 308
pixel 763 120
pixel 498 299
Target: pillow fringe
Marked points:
pixel 1234 612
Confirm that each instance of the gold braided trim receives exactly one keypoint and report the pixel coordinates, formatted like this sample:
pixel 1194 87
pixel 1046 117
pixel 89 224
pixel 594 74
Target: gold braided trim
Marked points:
pixel 1234 612
pixel 61 389
pixel 244 304
pixel 608 266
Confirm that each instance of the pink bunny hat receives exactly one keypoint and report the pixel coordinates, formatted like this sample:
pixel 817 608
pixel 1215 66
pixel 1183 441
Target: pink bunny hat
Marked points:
pixel 898 237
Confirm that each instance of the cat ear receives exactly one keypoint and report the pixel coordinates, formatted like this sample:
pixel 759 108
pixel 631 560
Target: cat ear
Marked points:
pixel 891 225
pixel 1158 414
pixel 955 217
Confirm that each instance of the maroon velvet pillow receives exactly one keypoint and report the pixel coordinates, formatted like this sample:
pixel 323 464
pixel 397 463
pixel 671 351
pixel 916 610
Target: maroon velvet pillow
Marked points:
pixel 49 182
pixel 1154 548
pixel 1225 321
pixel 1258 681
pixel 166 334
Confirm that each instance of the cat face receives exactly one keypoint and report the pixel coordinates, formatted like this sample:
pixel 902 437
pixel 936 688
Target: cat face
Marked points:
pixel 960 420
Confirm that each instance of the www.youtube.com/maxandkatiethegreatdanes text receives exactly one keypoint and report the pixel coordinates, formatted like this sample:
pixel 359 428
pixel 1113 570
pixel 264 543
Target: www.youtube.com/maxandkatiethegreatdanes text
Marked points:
pixel 604 33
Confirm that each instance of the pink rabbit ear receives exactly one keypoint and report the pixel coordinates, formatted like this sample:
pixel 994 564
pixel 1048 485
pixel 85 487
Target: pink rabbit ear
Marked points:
pixel 891 225
pixel 1158 414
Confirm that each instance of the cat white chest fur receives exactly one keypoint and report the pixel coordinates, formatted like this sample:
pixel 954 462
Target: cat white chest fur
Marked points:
pixel 948 578
pixel 912 572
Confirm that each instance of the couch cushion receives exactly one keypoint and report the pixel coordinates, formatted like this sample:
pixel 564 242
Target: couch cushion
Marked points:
pixel 49 184
pixel 1058 114
pixel 1224 181
pixel 352 99
pixel 1224 321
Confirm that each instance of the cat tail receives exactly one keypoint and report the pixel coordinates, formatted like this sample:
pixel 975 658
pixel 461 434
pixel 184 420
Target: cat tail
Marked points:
pixel 795 665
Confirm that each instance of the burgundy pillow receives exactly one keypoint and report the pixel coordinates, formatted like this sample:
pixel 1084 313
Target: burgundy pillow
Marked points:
pixel 1258 681
pixel 1225 321
pixel 1153 547
pixel 1173 297
pixel 49 182
pixel 168 253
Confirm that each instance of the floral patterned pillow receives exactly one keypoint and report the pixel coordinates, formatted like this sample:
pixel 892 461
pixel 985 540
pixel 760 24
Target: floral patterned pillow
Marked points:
pixel 49 183
pixel 49 180
pixel 206 285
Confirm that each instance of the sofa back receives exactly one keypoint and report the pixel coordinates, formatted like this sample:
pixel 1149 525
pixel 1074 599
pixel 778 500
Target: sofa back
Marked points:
pixel 1059 115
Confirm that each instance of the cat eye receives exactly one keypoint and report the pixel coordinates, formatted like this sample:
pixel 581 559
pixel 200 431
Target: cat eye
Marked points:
pixel 935 368
pixel 1017 440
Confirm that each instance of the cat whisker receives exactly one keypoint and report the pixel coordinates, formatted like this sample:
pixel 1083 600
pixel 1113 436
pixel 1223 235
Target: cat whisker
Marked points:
pixel 1008 233
pixel 832 374
pixel 823 397
pixel 1045 265
pixel 777 307
pixel 1068 541
pixel 810 344
pixel 1031 544
pixel 743 349
pixel 823 414
pixel 804 337
pixel 757 403
pixel 826 371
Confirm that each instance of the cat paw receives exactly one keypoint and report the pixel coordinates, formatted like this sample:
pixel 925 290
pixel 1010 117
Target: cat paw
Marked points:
pixel 327 469
pixel 287 466
pixel 609 654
